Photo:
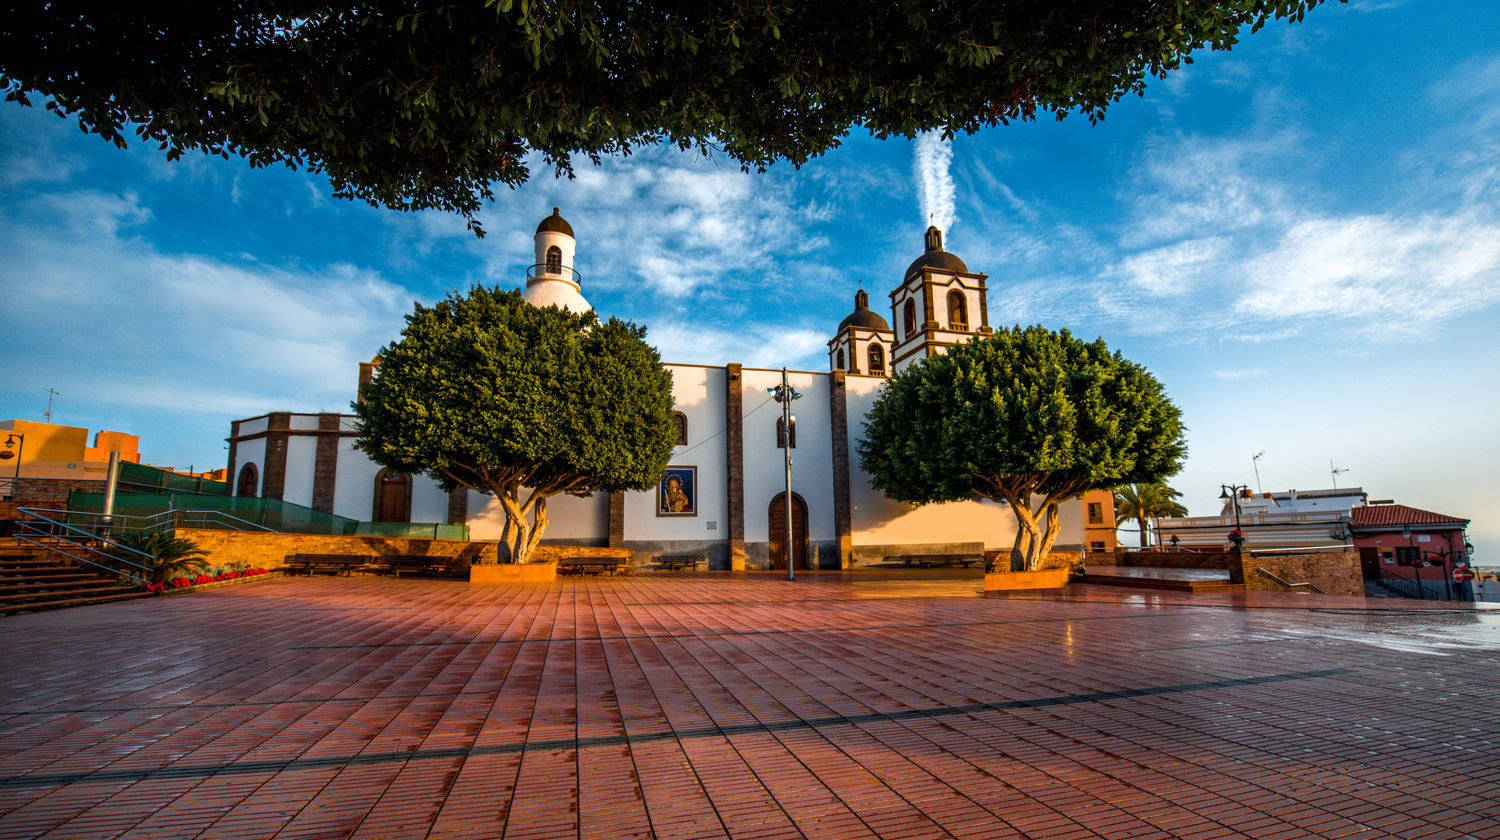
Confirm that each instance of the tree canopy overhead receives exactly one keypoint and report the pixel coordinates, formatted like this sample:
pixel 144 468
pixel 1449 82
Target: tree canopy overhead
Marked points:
pixel 416 104
pixel 1028 417
pixel 488 392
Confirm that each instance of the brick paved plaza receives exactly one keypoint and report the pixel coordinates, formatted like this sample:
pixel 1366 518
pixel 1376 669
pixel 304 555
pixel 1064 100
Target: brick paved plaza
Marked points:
pixel 877 704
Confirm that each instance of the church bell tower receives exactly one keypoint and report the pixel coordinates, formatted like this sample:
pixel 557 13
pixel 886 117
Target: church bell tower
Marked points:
pixel 938 304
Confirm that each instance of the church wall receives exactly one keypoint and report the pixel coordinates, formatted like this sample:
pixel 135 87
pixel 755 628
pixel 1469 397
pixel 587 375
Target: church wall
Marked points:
pixel 303 422
pixel 570 520
pixel 354 490
pixel 249 452
pixel 428 501
pixel 301 451
pixel 254 425
pixel 883 527
pixel 699 393
pixel 812 468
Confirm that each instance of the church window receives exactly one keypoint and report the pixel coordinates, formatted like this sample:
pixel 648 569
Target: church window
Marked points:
pixel 839 364
pixel 909 318
pixel 958 312
pixel 781 433
pixel 554 260
pixel 679 424
pixel 877 359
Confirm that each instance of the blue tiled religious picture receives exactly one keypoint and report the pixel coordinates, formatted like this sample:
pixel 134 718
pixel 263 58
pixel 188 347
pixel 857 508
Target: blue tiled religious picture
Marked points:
pixel 677 494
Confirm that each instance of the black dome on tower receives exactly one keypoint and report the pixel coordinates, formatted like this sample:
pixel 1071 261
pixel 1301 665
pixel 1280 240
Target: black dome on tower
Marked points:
pixel 863 316
pixel 936 257
pixel 555 223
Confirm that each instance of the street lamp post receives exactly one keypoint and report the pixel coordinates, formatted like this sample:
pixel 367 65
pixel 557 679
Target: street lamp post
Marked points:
pixel 18 441
pixel 1416 561
pixel 784 394
pixel 1440 559
pixel 1232 491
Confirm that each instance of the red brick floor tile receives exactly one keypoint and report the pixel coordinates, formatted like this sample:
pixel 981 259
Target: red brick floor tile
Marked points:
pixel 870 704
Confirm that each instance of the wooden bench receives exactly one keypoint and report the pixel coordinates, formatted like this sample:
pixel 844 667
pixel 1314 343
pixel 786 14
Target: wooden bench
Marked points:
pixel 678 562
pixel 345 563
pixel 592 564
pixel 930 560
pixel 397 563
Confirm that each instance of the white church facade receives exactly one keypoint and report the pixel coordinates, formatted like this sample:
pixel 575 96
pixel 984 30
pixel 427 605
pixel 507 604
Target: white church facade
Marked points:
pixel 722 497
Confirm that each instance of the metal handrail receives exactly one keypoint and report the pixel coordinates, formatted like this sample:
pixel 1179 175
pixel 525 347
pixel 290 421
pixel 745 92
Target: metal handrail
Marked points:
pixel 1267 573
pixel 166 517
pixel 1404 587
pixel 567 273
pixel 31 528
pixel 52 547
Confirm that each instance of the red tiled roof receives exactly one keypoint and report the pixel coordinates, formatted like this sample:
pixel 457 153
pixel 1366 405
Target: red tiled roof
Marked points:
pixel 1377 515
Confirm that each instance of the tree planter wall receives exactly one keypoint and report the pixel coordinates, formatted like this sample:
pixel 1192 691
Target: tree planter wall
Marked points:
pixel 1008 581
pixel 545 572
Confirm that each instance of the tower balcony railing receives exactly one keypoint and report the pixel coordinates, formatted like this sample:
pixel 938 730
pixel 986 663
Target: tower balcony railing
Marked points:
pixel 542 270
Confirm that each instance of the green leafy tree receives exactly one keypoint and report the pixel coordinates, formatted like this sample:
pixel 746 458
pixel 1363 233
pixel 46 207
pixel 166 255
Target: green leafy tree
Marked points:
pixel 418 104
pixel 169 556
pixel 1028 417
pixel 487 392
pixel 1143 502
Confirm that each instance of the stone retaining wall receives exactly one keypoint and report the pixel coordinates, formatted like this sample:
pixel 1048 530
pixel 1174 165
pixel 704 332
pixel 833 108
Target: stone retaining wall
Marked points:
pixel 1168 559
pixel 270 551
pixel 1336 573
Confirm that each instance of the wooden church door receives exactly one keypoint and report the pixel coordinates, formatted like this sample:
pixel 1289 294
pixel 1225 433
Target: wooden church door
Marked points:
pixel 778 531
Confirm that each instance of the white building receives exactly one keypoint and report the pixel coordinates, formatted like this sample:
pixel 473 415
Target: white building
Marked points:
pixel 728 502
pixel 1293 519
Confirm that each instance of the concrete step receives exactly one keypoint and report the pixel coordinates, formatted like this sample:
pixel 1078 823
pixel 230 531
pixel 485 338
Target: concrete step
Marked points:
pixel 1160 583
pixel 95 590
pixel 22 586
pixel 33 606
pixel 44 571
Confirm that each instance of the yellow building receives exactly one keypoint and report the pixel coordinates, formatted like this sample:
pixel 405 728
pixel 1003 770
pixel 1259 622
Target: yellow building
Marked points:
pixel 48 450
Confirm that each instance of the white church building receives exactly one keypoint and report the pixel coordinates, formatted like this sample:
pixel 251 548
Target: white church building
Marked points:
pixel 722 496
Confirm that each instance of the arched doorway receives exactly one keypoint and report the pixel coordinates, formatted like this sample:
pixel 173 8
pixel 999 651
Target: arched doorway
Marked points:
pixel 778 531
pixel 249 482
pixel 392 498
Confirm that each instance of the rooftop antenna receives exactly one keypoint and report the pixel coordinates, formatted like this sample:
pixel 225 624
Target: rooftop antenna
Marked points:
pixel 51 392
pixel 1334 472
pixel 1255 462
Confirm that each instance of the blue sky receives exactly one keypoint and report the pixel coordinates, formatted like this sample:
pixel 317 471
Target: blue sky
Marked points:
pixel 1300 238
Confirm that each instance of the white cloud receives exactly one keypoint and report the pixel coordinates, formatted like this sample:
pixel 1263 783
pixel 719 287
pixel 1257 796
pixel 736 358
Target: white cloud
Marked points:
pixel 668 224
pixel 1239 375
pixel 1175 269
pixel 129 324
pixel 1219 239
pixel 1407 273
pixel 760 347
pixel 931 158
pixel 1195 186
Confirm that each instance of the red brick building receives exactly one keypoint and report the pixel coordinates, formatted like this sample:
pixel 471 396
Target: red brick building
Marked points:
pixel 1396 541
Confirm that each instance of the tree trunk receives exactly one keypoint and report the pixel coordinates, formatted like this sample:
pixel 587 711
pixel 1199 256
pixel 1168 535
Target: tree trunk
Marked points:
pixel 1034 539
pixel 1141 521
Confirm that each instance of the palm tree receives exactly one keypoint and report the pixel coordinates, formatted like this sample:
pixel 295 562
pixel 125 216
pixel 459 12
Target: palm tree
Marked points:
pixel 1146 501
pixel 171 556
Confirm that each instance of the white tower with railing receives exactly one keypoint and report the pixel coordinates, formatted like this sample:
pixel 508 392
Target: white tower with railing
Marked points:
pixel 551 281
